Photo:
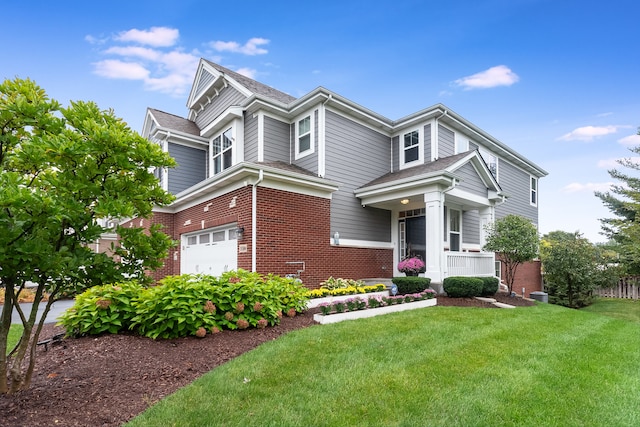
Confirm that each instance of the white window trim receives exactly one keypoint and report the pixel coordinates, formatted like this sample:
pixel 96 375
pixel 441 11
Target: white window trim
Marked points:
pixel 420 160
pixel 233 148
pixel 532 190
pixel 312 145
pixel 460 222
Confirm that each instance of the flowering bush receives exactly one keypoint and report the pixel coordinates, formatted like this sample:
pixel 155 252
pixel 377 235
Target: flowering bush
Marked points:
pixel 186 305
pixel 411 265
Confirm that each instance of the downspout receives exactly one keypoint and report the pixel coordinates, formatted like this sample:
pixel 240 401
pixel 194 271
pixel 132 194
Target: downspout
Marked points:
pixel 254 217
pixel 322 139
pixel 165 171
pixel 434 153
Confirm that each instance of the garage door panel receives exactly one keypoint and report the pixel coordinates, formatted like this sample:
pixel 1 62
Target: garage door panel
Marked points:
pixel 209 252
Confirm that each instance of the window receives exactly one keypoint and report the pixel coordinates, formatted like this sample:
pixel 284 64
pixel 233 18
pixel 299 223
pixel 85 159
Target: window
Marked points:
pixel 534 191
pixel 218 236
pixel 491 161
pixel 411 147
pixel 304 136
pixel 222 155
pixel 454 230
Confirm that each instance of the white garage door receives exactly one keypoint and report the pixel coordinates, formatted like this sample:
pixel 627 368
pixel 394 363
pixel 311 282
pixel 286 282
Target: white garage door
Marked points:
pixel 211 251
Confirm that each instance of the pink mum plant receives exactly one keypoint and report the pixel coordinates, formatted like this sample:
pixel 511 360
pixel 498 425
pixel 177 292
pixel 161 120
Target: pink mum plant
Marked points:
pixel 411 265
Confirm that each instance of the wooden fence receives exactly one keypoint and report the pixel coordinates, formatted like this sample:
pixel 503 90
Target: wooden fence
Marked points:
pixel 627 287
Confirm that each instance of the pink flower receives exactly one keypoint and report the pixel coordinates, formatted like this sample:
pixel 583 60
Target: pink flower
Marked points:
pixel 201 332
pixel 411 265
pixel 242 324
pixel 209 307
pixel 262 323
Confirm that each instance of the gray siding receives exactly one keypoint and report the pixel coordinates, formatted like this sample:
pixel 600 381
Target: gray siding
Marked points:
pixel 228 97
pixel 471 182
pixel 191 167
pixel 250 138
pixel 472 146
pixel 427 143
pixel 471 227
pixel 355 155
pixel 395 146
pixel 515 184
pixel 276 140
pixel 446 142
pixel 309 162
pixel 205 78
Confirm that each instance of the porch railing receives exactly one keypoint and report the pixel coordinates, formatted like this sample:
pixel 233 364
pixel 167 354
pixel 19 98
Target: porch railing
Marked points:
pixel 470 264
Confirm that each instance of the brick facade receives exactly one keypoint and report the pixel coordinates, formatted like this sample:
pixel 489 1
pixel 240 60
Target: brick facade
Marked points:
pixel 528 276
pixel 291 229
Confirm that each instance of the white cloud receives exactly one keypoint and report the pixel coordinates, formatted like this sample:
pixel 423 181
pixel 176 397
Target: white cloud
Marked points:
pixel 116 69
pixel 161 67
pixel 134 51
pixel 588 133
pixel 630 140
pixel 500 75
pixel 608 113
pixel 156 36
pixel 251 47
pixel 576 187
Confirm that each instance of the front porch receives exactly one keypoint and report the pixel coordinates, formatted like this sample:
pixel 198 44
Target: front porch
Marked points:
pixel 439 213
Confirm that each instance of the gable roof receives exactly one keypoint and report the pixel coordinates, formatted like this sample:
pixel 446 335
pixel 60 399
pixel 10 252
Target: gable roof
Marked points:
pixel 439 165
pixel 173 122
pixel 252 85
pixel 441 173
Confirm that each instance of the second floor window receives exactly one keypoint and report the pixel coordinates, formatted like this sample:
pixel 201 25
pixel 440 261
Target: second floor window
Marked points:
pixel 411 146
pixel 534 191
pixel 222 155
pixel 304 136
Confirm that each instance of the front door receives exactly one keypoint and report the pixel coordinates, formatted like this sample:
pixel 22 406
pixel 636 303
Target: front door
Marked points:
pixel 412 232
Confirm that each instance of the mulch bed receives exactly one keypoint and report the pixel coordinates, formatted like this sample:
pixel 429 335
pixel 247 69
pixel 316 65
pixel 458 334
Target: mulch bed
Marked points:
pixel 107 380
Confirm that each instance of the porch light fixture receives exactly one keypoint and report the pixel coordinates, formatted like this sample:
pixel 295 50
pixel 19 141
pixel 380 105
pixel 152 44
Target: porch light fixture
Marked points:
pixel 239 232
pixel 404 201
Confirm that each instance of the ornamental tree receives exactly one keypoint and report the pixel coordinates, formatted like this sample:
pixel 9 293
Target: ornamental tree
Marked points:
pixel 62 170
pixel 573 269
pixel 515 240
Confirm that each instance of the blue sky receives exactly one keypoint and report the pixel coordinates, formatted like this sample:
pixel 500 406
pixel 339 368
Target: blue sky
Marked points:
pixel 556 80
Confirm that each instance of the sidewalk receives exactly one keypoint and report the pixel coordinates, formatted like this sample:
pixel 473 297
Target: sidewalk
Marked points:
pixel 57 308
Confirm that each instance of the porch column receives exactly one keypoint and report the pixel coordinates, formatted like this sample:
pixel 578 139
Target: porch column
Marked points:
pixel 487 216
pixel 434 253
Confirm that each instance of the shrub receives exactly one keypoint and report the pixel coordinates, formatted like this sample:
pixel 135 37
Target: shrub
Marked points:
pixel 339 283
pixel 490 286
pixel 460 287
pixel 186 305
pixel 100 309
pixel 411 284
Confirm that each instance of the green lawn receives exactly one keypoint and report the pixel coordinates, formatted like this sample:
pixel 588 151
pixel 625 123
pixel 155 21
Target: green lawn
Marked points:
pixel 626 309
pixel 15 331
pixel 442 366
